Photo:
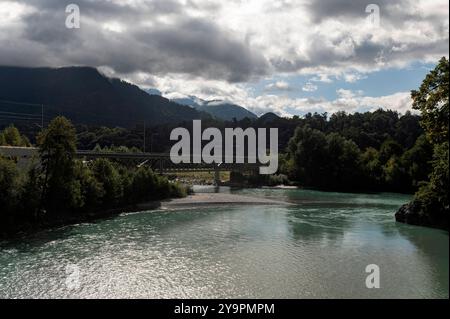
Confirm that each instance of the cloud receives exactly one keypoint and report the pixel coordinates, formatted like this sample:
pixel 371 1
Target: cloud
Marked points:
pixel 234 41
pixel 309 87
pixel 216 49
pixel 278 86
pixel 125 39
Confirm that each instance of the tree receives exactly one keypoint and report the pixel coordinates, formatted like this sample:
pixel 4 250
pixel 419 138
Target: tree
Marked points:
pixel 57 147
pixel 343 163
pixel 9 187
pixel 11 137
pixel 108 176
pixel 417 161
pixel 431 205
pixel 372 168
pixel 307 148
pixel 324 161
pixel 432 101
pixel 388 149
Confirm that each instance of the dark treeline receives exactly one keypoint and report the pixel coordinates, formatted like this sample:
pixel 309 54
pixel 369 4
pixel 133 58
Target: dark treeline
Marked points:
pixel 373 151
pixel 370 129
pixel 332 161
pixel 58 188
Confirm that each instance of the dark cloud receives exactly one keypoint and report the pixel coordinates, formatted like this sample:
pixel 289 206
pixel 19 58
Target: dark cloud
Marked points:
pixel 193 46
pixel 176 42
pixel 336 9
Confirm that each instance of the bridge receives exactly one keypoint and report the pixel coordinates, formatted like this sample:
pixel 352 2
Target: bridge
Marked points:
pixel 159 162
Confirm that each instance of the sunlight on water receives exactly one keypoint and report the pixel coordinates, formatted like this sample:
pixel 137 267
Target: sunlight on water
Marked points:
pixel 317 248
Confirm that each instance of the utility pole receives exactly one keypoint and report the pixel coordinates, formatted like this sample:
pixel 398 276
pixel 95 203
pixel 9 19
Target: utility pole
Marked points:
pixel 144 136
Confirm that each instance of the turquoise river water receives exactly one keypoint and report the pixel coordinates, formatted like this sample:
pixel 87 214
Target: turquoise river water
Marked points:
pixel 316 247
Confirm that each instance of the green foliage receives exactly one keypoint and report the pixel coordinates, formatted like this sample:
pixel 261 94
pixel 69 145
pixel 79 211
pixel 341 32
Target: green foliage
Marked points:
pixel 307 149
pixel 389 149
pixel 343 163
pixel 432 197
pixel 331 161
pixel 417 161
pixel 372 168
pixel 9 187
pixel 432 101
pixel 92 190
pixel 11 136
pixel 431 201
pixel 324 161
pixel 66 189
pixel 395 177
pixel 110 179
pixel 57 146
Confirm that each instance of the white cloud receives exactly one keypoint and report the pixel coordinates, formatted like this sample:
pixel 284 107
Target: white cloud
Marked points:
pixel 309 87
pixel 279 85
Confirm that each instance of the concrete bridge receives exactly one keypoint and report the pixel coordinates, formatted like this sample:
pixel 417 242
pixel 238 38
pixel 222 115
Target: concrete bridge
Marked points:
pixel 159 162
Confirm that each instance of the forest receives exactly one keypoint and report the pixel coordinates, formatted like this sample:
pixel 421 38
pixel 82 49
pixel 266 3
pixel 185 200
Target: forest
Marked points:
pixel 59 189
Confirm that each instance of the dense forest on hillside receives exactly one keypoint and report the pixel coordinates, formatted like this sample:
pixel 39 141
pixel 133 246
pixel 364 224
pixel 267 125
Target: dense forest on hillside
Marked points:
pixel 83 95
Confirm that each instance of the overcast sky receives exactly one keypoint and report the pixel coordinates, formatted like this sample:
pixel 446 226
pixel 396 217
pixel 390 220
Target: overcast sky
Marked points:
pixel 285 56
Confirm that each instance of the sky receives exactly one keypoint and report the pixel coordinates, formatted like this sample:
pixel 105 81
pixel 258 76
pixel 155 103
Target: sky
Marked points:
pixel 289 57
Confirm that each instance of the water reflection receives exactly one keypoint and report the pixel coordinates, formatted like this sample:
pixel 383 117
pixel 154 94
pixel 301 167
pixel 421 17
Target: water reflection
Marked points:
pixel 318 248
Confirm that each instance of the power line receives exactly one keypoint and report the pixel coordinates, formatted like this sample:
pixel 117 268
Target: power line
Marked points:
pixel 51 110
pixel 19 103
pixel 22 114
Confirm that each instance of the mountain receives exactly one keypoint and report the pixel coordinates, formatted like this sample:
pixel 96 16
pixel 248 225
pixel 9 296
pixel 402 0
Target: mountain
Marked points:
pixel 190 100
pixel 218 109
pixel 268 118
pixel 153 91
pixel 86 96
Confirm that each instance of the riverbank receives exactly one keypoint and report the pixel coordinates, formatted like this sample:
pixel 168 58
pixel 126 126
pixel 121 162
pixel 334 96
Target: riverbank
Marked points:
pixel 217 199
pixel 189 202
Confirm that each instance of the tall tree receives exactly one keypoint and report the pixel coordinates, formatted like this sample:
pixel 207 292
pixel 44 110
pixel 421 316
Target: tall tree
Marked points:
pixel 432 101
pixel 57 147
pixel 431 204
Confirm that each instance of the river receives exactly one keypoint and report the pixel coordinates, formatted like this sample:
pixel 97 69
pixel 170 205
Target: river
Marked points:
pixel 316 247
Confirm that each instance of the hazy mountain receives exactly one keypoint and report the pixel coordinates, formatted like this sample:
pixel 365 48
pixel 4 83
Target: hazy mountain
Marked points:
pixel 86 96
pixel 218 109
pixel 153 91
pixel 190 100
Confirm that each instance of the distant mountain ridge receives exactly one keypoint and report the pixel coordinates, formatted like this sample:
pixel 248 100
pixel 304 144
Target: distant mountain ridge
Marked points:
pixel 86 96
pixel 218 109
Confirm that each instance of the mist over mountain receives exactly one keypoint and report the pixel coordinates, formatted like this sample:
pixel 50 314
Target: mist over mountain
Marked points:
pixel 86 96
pixel 153 91
pixel 220 110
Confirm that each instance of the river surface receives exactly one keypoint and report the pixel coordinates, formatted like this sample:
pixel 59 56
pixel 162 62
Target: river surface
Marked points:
pixel 318 247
